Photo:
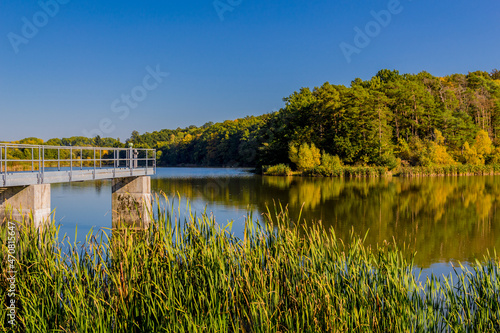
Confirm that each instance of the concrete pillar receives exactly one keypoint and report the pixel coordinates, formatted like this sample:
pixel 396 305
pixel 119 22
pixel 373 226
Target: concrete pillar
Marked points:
pixel 131 201
pixel 24 200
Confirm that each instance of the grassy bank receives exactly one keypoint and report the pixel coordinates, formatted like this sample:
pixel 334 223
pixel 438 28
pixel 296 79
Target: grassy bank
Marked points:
pixel 320 171
pixel 197 277
pixel 374 171
pixel 450 170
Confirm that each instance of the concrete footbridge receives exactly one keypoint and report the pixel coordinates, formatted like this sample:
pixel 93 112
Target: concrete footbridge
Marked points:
pixel 26 172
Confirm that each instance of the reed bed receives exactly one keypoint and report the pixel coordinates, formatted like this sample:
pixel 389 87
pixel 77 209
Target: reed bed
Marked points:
pixel 277 170
pixel 193 275
pixel 374 171
pixel 322 171
pixel 349 172
pixel 450 170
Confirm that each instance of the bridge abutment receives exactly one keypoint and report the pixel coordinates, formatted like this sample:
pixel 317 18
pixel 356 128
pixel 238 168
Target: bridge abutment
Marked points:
pixel 131 201
pixel 18 202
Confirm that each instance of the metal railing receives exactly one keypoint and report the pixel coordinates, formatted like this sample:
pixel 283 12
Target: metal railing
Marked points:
pixel 17 159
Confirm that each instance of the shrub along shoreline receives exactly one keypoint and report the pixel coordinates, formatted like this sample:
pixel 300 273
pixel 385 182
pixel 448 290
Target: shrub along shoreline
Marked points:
pixel 196 276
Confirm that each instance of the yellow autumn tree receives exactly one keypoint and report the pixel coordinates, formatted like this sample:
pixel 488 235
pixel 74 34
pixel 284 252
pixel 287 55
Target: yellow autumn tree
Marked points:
pixel 305 157
pixel 482 144
pixel 435 152
pixel 481 148
pixel 188 138
pixel 471 156
pixel 438 152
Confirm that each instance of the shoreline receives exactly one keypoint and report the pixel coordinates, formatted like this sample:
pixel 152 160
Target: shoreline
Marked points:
pixel 405 172
pixel 371 171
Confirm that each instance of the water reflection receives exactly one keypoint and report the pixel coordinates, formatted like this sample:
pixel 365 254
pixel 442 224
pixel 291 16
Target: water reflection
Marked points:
pixel 442 219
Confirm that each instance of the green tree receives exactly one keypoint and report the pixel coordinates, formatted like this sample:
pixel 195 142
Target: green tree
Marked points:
pixel 330 162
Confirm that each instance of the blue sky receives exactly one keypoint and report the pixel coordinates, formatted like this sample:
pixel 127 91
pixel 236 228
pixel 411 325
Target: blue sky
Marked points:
pixel 86 68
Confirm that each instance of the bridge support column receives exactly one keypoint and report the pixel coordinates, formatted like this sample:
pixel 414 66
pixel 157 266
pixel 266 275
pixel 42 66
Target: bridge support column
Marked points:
pixel 132 202
pixel 24 200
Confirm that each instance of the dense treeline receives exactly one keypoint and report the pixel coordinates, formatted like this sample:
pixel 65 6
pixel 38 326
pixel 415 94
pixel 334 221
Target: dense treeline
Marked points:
pixel 390 120
pixel 231 143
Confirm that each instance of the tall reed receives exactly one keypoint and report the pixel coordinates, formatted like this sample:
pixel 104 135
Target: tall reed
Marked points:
pixel 193 275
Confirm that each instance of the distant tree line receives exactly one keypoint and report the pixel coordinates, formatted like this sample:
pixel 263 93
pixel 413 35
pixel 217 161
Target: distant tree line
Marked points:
pixel 75 141
pixel 52 154
pixel 390 120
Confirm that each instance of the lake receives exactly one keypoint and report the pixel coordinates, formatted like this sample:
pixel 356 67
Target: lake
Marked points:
pixel 443 219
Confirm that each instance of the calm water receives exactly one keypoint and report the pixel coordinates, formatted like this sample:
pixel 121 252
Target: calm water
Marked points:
pixel 442 219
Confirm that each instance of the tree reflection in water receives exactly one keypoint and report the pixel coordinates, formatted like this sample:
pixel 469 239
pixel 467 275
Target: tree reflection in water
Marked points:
pixel 441 218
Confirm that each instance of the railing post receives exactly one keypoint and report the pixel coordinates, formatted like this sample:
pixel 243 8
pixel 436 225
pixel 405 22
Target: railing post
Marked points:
pixel 71 163
pixel 43 163
pixel 6 165
pixel 32 160
pixel 114 162
pixel 58 159
pixel 1 159
pixel 127 158
pixel 130 161
pixel 3 175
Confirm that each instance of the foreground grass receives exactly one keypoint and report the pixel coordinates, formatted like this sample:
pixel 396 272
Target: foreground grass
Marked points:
pixel 197 277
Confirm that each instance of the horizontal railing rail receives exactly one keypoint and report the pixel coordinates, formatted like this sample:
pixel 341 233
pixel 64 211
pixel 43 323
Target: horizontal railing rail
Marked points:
pixel 18 159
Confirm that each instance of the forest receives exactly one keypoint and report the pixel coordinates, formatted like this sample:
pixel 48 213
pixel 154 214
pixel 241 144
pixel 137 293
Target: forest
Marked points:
pixel 391 120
